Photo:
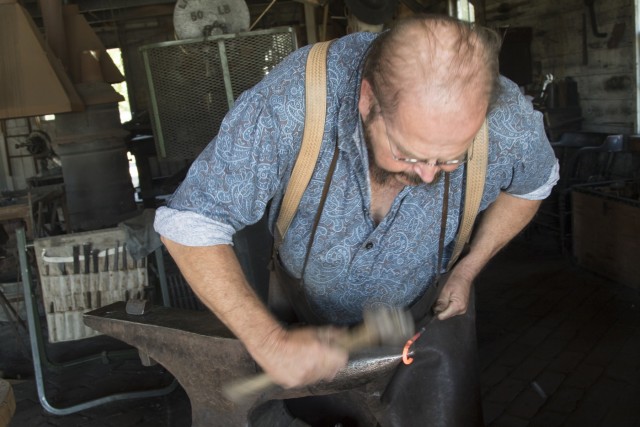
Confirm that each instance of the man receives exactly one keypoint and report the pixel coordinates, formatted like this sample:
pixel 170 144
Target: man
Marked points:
pixel 403 108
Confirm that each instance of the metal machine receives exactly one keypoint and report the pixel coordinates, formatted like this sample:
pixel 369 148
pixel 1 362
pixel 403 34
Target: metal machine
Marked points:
pixel 193 83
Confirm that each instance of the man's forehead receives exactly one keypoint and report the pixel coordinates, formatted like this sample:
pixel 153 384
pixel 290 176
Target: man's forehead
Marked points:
pixel 430 121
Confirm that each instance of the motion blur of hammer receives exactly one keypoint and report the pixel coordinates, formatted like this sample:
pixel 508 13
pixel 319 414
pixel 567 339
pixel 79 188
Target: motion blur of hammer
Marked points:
pixel 382 326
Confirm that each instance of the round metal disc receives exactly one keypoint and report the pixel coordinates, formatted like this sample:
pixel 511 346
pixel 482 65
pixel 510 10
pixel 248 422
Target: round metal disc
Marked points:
pixel 201 18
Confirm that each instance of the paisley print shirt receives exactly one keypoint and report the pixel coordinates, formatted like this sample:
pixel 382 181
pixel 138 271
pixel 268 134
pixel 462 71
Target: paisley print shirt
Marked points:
pixel 353 262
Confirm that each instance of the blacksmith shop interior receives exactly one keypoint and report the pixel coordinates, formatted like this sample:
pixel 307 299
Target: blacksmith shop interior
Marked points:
pixel 104 105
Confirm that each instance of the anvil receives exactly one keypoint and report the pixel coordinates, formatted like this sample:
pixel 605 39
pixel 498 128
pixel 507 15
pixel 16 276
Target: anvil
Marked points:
pixel 204 356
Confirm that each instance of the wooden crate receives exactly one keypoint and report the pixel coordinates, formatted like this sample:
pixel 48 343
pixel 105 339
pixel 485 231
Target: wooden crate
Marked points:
pixel 606 230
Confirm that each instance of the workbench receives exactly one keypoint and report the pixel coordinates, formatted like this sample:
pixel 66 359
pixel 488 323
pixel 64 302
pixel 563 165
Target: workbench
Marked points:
pixel 36 208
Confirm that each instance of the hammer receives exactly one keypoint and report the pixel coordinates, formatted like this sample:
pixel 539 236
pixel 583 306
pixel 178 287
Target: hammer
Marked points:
pixel 380 326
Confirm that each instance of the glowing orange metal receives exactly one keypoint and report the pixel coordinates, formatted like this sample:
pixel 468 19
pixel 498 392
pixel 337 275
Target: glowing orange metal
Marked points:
pixel 405 351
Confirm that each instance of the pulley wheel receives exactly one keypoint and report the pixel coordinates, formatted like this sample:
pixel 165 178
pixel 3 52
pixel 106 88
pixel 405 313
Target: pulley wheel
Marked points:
pixel 201 18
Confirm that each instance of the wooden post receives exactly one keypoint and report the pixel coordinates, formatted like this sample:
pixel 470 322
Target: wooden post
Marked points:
pixel 7 403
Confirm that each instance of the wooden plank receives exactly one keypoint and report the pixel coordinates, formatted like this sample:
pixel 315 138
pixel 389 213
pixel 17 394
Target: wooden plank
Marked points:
pixel 625 100
pixel 528 9
pixel 595 71
pixel 610 128
pixel 7 403
pixel 606 112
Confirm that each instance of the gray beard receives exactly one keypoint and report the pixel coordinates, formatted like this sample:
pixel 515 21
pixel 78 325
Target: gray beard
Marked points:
pixel 381 176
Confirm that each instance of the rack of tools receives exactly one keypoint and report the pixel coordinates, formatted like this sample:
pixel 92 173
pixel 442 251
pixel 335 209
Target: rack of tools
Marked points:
pixel 79 272
pixel 84 271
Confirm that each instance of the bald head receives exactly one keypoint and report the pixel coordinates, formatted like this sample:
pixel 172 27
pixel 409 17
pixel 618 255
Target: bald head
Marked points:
pixel 434 62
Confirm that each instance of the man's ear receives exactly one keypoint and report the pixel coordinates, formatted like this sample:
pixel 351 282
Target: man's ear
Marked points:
pixel 367 99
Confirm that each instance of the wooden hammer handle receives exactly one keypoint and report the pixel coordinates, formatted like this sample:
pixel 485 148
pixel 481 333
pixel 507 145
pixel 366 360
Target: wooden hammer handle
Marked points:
pixel 237 391
pixel 358 338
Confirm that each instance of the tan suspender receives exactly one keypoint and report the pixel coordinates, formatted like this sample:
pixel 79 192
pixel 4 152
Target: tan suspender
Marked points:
pixel 315 113
pixel 476 174
pixel 316 108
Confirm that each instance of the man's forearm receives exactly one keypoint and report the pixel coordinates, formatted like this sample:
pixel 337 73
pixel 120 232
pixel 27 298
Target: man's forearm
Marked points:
pixel 215 275
pixel 501 222
pixel 291 357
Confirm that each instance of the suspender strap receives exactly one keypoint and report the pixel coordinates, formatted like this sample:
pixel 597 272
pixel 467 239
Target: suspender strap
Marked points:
pixel 476 174
pixel 323 199
pixel 315 113
pixel 443 222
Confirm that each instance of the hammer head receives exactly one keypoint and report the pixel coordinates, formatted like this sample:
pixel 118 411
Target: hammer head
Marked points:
pixel 391 325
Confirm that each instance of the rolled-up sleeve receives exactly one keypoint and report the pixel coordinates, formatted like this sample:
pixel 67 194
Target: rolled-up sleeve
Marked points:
pixel 544 190
pixel 521 158
pixel 192 229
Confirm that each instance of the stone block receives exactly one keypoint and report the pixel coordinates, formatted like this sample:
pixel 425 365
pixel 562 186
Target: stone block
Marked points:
pixel 506 391
pixel 529 369
pixel 548 419
pixel 549 349
pixel 567 361
pixel 610 346
pixel 507 420
pixel 526 405
pixel 534 336
pixel 515 354
pixel 549 381
pixel 565 400
pixel 584 376
pixel 567 330
pixel 491 411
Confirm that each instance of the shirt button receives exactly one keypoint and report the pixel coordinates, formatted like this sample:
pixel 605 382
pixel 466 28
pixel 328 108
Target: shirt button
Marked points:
pixel 369 245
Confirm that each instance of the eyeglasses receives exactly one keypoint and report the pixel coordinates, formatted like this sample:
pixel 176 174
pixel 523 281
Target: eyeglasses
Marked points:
pixel 443 164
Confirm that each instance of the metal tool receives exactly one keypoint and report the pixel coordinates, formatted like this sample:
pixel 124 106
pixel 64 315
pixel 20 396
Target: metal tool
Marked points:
pixel 381 326
pixel 125 267
pixel 116 257
pixel 138 307
pixel 86 253
pixel 548 79
pixel 96 267
pixel 594 19
pixel 76 259
pixel 106 260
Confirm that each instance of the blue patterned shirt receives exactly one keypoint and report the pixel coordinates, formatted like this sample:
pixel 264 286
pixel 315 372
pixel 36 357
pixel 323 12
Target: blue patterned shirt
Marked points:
pixel 353 262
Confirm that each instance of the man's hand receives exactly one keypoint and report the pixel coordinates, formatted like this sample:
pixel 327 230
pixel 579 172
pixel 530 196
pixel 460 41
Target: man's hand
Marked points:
pixel 503 220
pixel 454 296
pixel 297 357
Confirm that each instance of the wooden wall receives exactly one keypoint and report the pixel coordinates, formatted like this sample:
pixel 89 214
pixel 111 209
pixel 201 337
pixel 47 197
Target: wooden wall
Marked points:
pixel 565 45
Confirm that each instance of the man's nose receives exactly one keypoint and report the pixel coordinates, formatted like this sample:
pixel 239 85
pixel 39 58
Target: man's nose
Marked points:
pixel 426 172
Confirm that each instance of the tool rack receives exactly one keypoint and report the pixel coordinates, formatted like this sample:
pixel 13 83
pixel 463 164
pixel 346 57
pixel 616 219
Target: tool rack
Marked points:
pixel 81 291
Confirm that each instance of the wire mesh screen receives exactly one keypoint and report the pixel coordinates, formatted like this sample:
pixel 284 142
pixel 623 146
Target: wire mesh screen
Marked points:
pixel 193 83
